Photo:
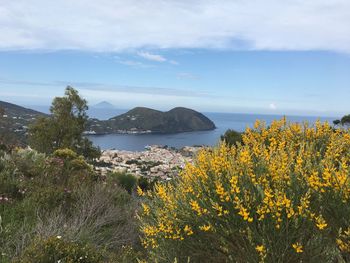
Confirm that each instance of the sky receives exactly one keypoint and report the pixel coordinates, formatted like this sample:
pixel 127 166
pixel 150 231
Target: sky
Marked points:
pixel 251 56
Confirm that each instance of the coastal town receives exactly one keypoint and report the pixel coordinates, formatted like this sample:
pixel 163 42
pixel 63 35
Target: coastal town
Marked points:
pixel 155 161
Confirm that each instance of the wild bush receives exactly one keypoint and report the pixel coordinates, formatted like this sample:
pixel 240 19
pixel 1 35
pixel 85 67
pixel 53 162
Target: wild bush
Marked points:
pixel 35 186
pixel 231 137
pixel 146 184
pixel 102 215
pixel 124 180
pixel 56 249
pixel 282 196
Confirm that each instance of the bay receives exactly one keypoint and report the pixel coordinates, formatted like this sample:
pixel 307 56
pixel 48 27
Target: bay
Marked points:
pixel 223 121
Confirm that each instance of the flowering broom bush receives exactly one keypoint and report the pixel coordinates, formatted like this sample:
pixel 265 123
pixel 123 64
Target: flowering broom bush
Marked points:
pixel 283 195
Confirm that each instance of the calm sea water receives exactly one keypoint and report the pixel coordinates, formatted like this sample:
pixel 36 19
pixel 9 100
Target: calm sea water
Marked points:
pixel 223 121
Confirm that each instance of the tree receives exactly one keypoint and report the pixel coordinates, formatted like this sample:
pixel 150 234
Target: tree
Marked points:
pixel 345 120
pixel 336 122
pixel 231 137
pixel 64 127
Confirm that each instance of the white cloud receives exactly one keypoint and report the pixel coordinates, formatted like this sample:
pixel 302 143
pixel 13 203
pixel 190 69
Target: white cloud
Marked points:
pixel 118 25
pixel 152 57
pixel 272 106
pixel 156 57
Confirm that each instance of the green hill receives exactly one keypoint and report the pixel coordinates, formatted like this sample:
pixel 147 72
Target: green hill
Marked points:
pixel 14 110
pixel 143 120
pixel 14 121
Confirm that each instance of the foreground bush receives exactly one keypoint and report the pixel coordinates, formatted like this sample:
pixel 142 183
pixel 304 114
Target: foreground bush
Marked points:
pixel 102 215
pixel 55 249
pixel 60 195
pixel 282 196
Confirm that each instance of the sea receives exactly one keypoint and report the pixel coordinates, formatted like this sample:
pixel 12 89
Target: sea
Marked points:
pixel 223 122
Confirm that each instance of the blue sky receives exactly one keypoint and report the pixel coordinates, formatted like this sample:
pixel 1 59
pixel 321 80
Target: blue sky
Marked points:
pixel 223 56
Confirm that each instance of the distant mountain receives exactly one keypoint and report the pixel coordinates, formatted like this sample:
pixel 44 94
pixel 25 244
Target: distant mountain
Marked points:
pixel 103 105
pixel 145 120
pixel 104 111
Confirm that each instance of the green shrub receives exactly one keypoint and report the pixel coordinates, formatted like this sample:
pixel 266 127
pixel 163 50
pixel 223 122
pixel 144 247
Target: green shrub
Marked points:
pixel 55 249
pixel 124 180
pixel 103 215
pixel 231 137
pixel 27 162
pixel 146 184
pixel 51 197
pixel 66 154
pixel 43 197
pixel 31 183
pixel 72 160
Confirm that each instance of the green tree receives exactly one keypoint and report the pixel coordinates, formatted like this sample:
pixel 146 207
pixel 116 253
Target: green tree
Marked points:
pixel 124 180
pixel 64 127
pixel 336 122
pixel 231 137
pixel 345 120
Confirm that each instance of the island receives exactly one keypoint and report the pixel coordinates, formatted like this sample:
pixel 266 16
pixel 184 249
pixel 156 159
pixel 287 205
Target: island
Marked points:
pixel 15 120
pixel 145 120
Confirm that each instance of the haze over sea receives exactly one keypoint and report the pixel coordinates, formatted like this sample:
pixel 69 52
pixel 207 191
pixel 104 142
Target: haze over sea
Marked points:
pixel 223 121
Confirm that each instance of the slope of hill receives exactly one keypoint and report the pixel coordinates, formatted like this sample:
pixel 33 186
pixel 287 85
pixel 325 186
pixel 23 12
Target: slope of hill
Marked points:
pixel 145 120
pixel 13 110
pixel 14 121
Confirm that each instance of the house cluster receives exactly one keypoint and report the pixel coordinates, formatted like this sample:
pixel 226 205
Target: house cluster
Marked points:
pixel 19 124
pixel 154 162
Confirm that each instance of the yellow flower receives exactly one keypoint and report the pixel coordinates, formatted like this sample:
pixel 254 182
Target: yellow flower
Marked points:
pixel 161 192
pixel 221 192
pixel 146 209
pixel 262 252
pixel 273 178
pixel 298 247
pixel 260 248
pixel 195 207
pixel 205 227
pixel 139 191
pixel 188 230
pixel 320 222
pixel 218 208
pixel 245 214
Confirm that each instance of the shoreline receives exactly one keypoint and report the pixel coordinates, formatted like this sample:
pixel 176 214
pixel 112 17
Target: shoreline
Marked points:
pixel 131 132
